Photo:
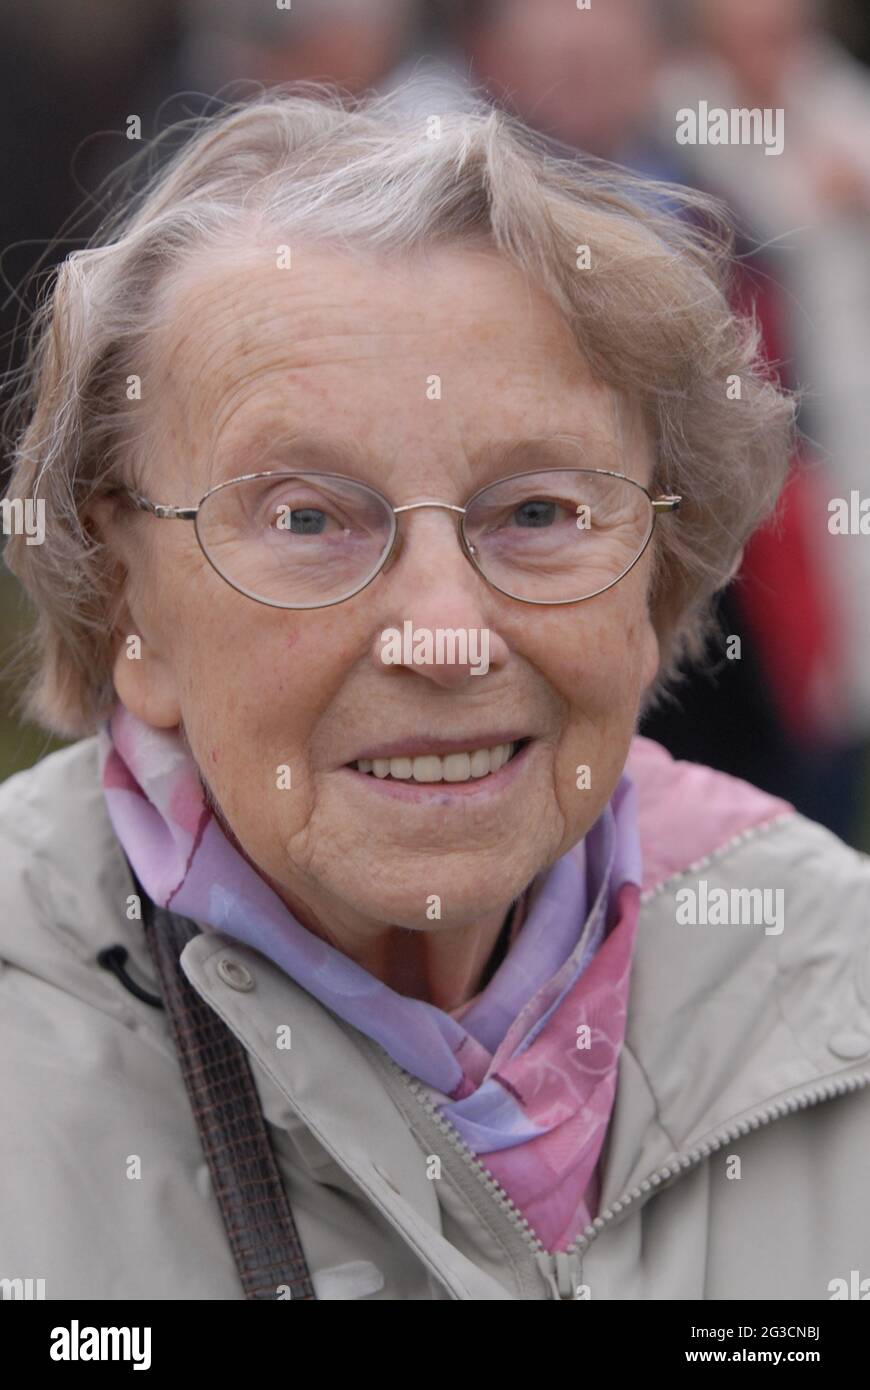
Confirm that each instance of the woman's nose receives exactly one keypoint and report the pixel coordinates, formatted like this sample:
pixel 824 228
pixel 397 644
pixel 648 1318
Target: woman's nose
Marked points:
pixel 437 617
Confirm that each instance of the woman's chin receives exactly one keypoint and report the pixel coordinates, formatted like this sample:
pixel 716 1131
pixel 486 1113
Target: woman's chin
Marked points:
pixel 444 895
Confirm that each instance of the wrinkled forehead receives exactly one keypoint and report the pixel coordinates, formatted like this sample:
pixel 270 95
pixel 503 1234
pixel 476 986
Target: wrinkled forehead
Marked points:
pixel 264 342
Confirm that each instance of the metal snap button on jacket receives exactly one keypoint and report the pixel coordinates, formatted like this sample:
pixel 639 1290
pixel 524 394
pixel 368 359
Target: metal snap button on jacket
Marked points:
pixel 234 974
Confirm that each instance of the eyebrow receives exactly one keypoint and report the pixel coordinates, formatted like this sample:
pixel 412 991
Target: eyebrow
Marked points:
pixel 537 447
pixel 332 454
pixel 262 450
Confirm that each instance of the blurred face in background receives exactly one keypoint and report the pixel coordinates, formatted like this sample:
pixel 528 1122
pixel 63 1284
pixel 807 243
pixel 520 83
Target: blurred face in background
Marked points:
pixel 760 40
pixel 352 42
pixel 583 76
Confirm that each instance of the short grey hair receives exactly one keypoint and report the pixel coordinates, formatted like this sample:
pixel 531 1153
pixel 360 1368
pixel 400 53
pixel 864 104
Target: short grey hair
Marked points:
pixel 651 317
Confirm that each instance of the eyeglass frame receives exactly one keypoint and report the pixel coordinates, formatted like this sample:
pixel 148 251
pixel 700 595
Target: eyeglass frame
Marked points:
pixel 668 502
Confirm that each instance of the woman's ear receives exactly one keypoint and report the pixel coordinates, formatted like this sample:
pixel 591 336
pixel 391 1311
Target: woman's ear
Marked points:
pixel 144 680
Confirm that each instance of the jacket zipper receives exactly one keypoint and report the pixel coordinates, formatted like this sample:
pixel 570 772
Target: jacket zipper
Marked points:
pixel 560 1269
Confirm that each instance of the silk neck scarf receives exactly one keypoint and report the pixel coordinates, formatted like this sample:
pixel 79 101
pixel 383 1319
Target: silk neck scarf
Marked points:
pixel 526 1071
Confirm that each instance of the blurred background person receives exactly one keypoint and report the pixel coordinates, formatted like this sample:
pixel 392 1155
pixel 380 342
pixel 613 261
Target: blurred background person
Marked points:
pixel 584 77
pixel 355 43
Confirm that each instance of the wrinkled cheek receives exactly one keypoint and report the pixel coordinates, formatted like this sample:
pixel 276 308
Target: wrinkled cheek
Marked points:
pixel 627 638
pixel 604 685
pixel 605 673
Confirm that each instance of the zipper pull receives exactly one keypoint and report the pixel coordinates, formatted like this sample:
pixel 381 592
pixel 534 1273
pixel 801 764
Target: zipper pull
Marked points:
pixel 560 1272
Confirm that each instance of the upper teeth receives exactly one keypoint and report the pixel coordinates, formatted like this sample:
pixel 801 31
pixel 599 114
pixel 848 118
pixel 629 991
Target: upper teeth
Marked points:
pixel 455 767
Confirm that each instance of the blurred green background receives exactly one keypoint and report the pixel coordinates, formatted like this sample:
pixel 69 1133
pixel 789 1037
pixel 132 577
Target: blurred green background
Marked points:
pixel 20 743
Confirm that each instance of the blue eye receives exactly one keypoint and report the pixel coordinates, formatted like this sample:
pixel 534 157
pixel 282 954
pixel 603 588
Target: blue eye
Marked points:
pixel 305 521
pixel 536 513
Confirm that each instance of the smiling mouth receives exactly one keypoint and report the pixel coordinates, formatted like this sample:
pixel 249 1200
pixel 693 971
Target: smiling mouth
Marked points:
pixel 451 767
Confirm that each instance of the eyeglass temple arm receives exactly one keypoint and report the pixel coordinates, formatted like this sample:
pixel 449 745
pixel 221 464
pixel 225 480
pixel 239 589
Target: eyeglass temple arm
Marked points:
pixel 158 508
pixel 666 504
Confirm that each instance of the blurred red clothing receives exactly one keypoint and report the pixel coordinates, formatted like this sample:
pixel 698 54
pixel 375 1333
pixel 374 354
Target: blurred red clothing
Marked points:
pixel 784 591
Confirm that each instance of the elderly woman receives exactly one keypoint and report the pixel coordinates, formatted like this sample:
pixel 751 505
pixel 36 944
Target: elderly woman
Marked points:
pixel 359 948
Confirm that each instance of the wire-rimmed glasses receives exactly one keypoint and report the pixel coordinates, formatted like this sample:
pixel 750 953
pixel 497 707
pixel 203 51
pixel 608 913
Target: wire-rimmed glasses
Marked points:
pixel 308 539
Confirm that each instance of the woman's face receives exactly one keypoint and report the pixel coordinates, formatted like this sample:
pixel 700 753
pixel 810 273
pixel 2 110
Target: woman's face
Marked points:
pixel 344 350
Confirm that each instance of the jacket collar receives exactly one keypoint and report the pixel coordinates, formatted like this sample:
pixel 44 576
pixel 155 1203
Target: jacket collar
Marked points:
pixel 336 1094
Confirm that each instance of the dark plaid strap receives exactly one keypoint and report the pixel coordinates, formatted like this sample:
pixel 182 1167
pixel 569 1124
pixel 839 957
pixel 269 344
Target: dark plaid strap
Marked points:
pixel 226 1106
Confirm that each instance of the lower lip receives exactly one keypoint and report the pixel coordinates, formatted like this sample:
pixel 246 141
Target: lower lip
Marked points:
pixel 440 793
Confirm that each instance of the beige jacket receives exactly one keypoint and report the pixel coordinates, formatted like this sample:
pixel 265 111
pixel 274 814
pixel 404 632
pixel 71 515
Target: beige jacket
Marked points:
pixel 735 1165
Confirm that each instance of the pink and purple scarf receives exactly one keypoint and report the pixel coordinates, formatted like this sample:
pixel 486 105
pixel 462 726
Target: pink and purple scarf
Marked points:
pixel 526 1071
